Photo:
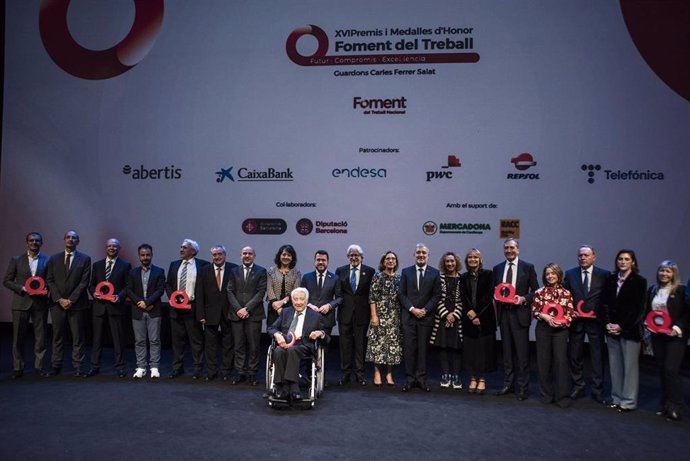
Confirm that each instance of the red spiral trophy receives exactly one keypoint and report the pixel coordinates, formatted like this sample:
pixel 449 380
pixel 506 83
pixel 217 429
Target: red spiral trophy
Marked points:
pixel 180 300
pixel 582 314
pixel 659 322
pixel 35 286
pixel 292 339
pixel 105 291
pixel 555 310
pixel 505 293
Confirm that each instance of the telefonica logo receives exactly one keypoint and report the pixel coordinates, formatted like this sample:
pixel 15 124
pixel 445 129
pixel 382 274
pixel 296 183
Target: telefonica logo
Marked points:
pixel 622 175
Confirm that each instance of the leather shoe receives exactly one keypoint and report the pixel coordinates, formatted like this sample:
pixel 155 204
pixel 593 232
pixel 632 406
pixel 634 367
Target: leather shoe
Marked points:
pixel 226 377
pixel 613 406
pixel 238 379
pixel 361 381
pixel 296 396
pixel 79 374
pixel 423 386
pixel 597 398
pixel 406 387
pixel 577 394
pixel 625 410
pixel 252 380
pixel 345 379
pixel 55 371
pixel 521 397
pixel 176 373
pixel 279 393
pixel 92 372
pixel 210 377
pixel 196 375
pixel 41 373
pixel 17 374
pixel 121 374
pixel 505 390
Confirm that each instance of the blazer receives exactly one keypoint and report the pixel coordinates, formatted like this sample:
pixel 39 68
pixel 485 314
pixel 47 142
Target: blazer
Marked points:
pixel 526 284
pixel 154 291
pixel 249 293
pixel 118 277
pixel 72 284
pixel 592 300
pixel 171 285
pixel 425 298
pixel 313 321
pixel 18 271
pixel 628 306
pixel 212 302
pixel 354 308
pixel 330 293
pixel 484 307
pixel 678 306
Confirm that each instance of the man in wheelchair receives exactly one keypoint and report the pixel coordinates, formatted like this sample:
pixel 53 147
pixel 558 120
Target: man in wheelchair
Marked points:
pixel 295 333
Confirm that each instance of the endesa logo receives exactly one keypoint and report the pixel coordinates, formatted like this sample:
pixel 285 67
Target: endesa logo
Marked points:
pixel 359 173
pixel 523 162
pixel 445 173
pixel 252 175
pixel 88 64
pixel 141 172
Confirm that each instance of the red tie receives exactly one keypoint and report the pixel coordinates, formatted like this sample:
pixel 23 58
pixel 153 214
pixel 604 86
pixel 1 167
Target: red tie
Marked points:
pixel 218 279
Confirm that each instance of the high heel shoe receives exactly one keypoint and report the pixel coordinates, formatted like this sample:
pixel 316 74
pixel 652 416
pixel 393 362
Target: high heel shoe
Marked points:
pixel 473 385
pixel 389 380
pixel 481 386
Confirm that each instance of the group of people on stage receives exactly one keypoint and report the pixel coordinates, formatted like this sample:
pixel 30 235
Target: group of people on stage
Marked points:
pixel 384 316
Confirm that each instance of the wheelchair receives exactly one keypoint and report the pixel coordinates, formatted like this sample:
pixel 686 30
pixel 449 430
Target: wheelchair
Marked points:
pixel 311 378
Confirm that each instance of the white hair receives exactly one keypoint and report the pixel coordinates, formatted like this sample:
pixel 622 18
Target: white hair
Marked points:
pixel 191 243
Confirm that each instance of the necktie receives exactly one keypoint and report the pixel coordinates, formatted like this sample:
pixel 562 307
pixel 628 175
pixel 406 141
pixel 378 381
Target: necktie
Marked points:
pixel 353 279
pixel 183 277
pixel 320 281
pixel 109 269
pixel 219 281
pixel 293 324
pixel 585 282
pixel 509 274
pixel 420 278
pixel 68 258
pixel 246 272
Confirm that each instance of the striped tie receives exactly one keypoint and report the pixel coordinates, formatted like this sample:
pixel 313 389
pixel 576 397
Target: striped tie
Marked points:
pixel 183 277
pixel 109 269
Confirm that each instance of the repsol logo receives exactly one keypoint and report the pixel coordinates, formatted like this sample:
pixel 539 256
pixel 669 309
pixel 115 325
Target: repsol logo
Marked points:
pixel 360 173
pixel 168 172
pixel 523 176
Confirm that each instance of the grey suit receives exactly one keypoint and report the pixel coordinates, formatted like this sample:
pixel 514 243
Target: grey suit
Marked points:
pixel 25 307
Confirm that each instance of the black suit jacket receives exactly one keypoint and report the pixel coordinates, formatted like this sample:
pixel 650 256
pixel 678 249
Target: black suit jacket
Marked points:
pixel 484 308
pixel 628 306
pixel 249 294
pixel 330 293
pixel 354 308
pixel 526 284
pixel 212 303
pixel 425 298
pixel 118 277
pixel 154 291
pixel 678 306
pixel 171 285
pixel 72 284
pixel 16 276
pixel 312 321
pixel 597 282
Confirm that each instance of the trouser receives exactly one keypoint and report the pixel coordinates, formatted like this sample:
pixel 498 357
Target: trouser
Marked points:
pixel 75 320
pixel 624 357
pixel 20 326
pixel 151 326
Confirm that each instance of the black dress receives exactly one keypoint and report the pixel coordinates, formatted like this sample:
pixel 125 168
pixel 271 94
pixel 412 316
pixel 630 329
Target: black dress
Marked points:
pixel 479 342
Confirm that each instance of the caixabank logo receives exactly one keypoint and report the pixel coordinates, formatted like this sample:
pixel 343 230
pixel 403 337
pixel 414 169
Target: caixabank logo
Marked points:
pixel 391 45
pixel 89 64
pixel 594 170
pixel 170 172
pixel 522 163
pixel 245 174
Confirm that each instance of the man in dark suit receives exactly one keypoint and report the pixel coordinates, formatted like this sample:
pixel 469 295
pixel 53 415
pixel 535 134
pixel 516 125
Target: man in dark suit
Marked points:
pixel 325 293
pixel 145 287
pixel 27 307
pixel 212 312
pixel 586 283
pixel 514 318
pixel 112 269
pixel 182 276
pixel 420 288
pixel 246 290
pixel 303 325
pixel 353 314
pixel 68 274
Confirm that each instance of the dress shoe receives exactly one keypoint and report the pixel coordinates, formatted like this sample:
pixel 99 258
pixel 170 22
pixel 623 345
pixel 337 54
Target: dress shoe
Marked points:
pixel 40 373
pixel 16 374
pixel 210 377
pixel 577 394
pixel 361 381
pixel 563 403
pixel 423 386
pixel 226 377
pixel 55 371
pixel 140 373
pixel 93 372
pixel 406 387
pixel 597 398
pixel 625 410
pixel 613 406
pixel 345 379
pixel 121 373
pixel 79 374
pixel 296 396
pixel 521 397
pixel 155 374
pixel 176 373
pixel 196 375
pixel 279 393
pixel 505 390
pixel 252 380
pixel 238 379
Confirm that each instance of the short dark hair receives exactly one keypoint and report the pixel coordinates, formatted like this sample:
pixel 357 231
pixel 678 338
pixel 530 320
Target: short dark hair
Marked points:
pixel 288 249
pixel 37 234
pixel 145 246
pixel 321 252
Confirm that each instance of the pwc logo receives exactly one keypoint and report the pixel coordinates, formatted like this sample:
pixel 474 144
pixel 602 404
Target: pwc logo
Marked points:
pixel 88 64
pixel 523 162
pixel 453 162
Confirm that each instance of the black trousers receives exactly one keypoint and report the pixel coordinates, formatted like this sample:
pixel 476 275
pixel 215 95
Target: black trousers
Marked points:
pixel 247 336
pixel 669 353
pixel 185 328
pixel 287 362
pixel 352 346
pixel 117 330
pixel 219 335
pixel 415 344
pixel 594 331
pixel 75 320
pixel 515 341
pixel 552 362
